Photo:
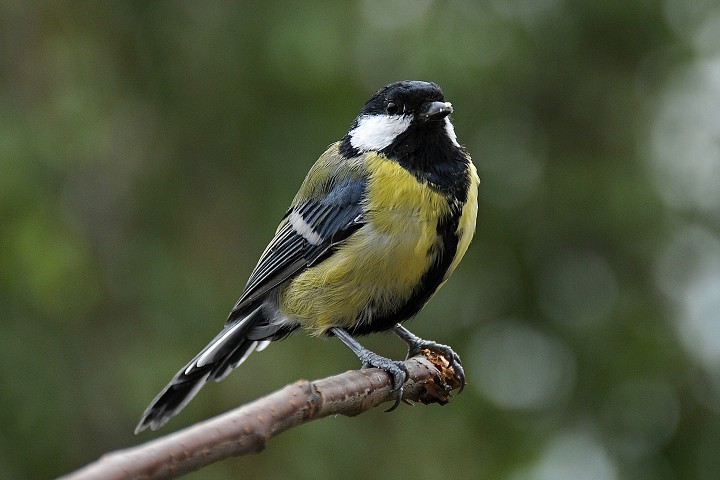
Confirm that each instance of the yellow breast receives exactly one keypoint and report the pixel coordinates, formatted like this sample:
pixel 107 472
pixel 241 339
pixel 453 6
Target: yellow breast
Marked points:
pixel 379 265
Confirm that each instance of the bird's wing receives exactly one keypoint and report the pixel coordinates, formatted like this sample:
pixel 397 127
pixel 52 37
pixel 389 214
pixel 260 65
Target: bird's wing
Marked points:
pixel 308 233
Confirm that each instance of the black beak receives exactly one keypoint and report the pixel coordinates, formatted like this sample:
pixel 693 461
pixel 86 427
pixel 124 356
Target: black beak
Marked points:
pixel 436 111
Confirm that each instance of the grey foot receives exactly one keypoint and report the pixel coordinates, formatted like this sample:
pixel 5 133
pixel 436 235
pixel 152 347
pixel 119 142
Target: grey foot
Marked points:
pixel 416 345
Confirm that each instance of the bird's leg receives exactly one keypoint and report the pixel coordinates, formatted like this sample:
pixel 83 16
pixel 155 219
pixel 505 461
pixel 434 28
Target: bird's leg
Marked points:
pixel 417 344
pixel 396 369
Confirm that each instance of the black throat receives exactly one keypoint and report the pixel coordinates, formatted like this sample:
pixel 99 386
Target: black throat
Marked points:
pixel 426 151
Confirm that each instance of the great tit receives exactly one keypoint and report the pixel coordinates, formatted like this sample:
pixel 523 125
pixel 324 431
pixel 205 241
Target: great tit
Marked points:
pixel 379 224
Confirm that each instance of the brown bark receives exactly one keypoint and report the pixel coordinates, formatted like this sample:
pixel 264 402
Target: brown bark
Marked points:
pixel 248 428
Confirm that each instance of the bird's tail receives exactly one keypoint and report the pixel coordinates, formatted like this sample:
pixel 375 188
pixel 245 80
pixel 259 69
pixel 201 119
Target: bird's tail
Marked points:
pixel 225 352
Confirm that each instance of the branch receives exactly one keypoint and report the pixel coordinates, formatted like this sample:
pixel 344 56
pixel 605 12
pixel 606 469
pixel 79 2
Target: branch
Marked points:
pixel 247 429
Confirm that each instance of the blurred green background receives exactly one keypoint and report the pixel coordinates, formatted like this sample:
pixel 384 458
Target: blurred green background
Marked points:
pixel 148 150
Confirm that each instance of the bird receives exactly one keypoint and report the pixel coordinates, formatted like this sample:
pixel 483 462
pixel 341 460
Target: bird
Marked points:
pixel 380 222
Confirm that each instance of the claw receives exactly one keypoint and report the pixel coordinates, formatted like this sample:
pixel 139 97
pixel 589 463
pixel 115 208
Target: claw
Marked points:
pixel 396 369
pixel 416 345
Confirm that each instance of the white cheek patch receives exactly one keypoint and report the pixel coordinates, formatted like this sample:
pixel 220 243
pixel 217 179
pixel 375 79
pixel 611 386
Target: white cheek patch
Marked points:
pixel 375 132
pixel 450 131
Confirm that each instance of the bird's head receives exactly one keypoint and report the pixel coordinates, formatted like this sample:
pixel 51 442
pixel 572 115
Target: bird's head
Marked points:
pixel 397 110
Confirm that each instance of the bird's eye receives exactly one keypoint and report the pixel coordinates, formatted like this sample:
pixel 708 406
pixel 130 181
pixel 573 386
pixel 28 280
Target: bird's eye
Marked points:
pixel 392 108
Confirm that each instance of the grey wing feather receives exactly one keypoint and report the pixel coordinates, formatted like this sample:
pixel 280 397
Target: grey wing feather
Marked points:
pixel 327 221
pixel 326 215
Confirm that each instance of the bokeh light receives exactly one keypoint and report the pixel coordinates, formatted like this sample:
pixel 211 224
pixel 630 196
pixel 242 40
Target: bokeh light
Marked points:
pixel 688 272
pixel 573 455
pixel 518 367
pixel 686 151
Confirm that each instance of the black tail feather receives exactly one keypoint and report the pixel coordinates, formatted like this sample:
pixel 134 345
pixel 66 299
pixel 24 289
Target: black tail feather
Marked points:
pixel 172 399
pixel 225 352
pixel 242 336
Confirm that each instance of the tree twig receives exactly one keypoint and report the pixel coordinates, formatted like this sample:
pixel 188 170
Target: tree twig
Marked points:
pixel 247 429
